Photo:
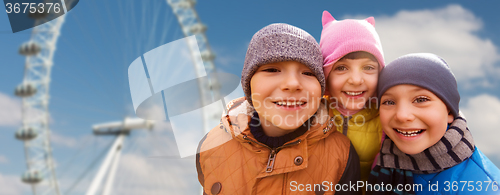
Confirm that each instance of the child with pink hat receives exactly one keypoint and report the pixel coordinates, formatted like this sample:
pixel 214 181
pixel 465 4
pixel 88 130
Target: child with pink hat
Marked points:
pixel 352 60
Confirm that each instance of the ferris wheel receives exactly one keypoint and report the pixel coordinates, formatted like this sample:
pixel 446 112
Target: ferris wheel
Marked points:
pixel 34 91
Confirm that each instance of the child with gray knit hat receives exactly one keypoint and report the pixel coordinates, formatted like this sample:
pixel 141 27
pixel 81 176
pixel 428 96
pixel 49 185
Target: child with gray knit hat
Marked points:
pixel 427 145
pixel 279 137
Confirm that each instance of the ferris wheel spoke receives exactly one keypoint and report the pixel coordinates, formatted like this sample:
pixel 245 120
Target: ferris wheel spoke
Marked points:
pixel 152 32
pixel 66 166
pixel 98 18
pixel 116 56
pixel 88 168
pixel 98 51
pixel 87 83
pixel 99 54
pixel 97 15
pixel 63 103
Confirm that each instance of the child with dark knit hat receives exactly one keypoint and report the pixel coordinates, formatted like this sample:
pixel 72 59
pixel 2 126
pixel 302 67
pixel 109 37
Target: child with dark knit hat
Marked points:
pixel 278 138
pixel 353 57
pixel 428 148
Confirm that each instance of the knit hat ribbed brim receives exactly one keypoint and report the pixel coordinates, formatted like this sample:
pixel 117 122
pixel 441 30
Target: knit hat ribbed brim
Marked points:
pixel 425 70
pixel 278 43
pixel 339 38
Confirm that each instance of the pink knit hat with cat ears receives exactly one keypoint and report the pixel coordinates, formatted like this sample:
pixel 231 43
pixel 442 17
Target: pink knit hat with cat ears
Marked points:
pixel 340 38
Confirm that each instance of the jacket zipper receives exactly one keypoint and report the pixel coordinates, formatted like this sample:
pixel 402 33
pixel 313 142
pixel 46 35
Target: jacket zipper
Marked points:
pixel 345 123
pixel 272 154
pixel 270 161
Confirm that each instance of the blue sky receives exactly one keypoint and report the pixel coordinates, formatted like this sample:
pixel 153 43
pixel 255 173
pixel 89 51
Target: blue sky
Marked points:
pixel 99 40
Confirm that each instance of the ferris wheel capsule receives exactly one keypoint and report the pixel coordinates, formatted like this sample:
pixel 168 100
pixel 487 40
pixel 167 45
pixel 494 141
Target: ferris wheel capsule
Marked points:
pixel 186 4
pixel 29 48
pixel 198 28
pixel 207 55
pixel 25 90
pixel 38 15
pixel 26 133
pixel 31 177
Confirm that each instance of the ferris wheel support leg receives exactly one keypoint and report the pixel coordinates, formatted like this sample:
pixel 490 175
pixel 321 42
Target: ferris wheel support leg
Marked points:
pixel 34 189
pixel 117 146
pixel 111 176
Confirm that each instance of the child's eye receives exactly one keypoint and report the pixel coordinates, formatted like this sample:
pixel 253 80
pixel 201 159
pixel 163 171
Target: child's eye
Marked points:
pixel 340 68
pixel 270 70
pixel 421 99
pixel 388 102
pixel 309 74
pixel 369 67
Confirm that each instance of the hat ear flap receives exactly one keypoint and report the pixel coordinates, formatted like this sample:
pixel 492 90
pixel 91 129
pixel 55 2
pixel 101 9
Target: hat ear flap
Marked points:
pixel 327 17
pixel 371 20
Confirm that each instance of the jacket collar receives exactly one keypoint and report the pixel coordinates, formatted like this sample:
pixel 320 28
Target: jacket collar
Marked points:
pixel 362 116
pixel 240 113
pixel 236 123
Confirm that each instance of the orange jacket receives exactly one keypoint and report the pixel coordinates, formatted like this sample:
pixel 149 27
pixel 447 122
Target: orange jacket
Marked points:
pixel 231 161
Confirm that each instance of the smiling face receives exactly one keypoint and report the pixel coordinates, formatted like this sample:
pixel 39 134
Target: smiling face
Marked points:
pixel 285 95
pixel 352 82
pixel 413 117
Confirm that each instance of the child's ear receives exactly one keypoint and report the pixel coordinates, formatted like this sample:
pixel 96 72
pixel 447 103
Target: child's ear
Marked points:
pixel 450 117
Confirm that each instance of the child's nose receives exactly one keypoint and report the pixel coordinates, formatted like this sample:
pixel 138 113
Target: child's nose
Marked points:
pixel 404 113
pixel 291 83
pixel 356 78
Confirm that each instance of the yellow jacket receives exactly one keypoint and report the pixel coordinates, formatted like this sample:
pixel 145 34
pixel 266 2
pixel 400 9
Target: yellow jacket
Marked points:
pixel 365 132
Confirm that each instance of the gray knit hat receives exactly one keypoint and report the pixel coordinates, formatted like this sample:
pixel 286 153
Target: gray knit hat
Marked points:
pixel 425 70
pixel 277 43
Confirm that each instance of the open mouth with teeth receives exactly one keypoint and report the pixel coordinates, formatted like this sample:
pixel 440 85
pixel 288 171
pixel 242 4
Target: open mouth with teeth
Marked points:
pixel 290 104
pixel 409 133
pixel 353 93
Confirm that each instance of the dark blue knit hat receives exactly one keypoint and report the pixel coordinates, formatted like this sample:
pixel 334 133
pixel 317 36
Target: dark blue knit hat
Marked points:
pixel 425 70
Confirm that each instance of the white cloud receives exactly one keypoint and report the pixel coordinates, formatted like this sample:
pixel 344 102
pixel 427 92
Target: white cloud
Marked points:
pixel 141 175
pixel 12 185
pixel 482 113
pixel 449 32
pixel 10 111
pixel 152 108
pixel 227 60
pixel 62 140
pixel 230 58
pixel 3 159
pixel 156 143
